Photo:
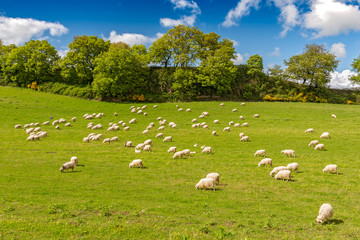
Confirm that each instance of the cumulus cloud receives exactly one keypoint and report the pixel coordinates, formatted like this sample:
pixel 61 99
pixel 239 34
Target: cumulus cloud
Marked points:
pixel 331 18
pixel 239 59
pixel 242 9
pixel 19 30
pixel 235 43
pixel 62 52
pixel 338 49
pixel 340 80
pixel 188 20
pixel 276 52
pixel 131 38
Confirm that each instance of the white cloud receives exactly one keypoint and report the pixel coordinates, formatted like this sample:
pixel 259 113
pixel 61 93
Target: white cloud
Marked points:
pixel 131 38
pixel 338 49
pixel 235 43
pixel 331 18
pixel 62 52
pixel 19 30
pixel 242 9
pixel 183 4
pixel 239 59
pixel 188 20
pixel 340 80
pixel 276 52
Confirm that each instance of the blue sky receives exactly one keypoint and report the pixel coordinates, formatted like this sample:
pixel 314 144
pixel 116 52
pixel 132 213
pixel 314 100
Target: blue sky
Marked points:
pixel 274 29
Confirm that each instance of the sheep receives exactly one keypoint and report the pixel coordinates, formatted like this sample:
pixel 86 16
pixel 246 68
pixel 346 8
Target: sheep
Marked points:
pixel 67 166
pixel 260 153
pixel 186 152
pixel 216 121
pixel 293 167
pixel 74 160
pixel 155 106
pixel 140 146
pixel 242 118
pixel 319 147
pixel 37 129
pixel 57 127
pixel 178 155
pixel 116 127
pixel 131 107
pixel 215 176
pixel 265 161
pixel 149 127
pixel 231 123
pixel 120 122
pixel 128 144
pixel 46 123
pixel 283 174
pixel 26 125
pixel 126 128
pixel 136 163
pixel 180 109
pixel 201 116
pixel 159 118
pixel 288 153
pixel 177 106
pixel 144 107
pixel 73 119
pixel 330 168
pixel 206 183
pixel 194 120
pixel 114 139
pixel 42 134
pixel 325 213
pixel 29 130
pixel 313 143
pixel 62 120
pixel 188 110
pixel 333 116
pixel 242 104
pixel 277 169
pixel 109 129
pixel 174 126
pixel 244 139
pixel 237 125
pixel 172 149
pixel 145 132
pixel 222 104
pixel 206 126
pixel 123 124
pixel 159 135
pixel 325 135
pixel 140 112
pixel 68 124
pixel 115 114
pixel 167 139
pixel 207 150
pixel 205 114
pixel 310 130
pixel 214 133
pixel 160 128
pixel 86 139
pixel 133 110
pixel 227 129
pixel 245 125
pixel 256 116
pixel 241 135
pixel 147 148
pixel 31 137
pixel 234 110
pixel 132 121
pixel 106 140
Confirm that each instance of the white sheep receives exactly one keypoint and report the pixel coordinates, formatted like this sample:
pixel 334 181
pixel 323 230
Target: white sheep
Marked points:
pixel 313 143
pixel 260 153
pixel 145 132
pixel 73 119
pixel 29 130
pixel 265 161
pixel 205 113
pixel 237 125
pixel 330 168
pixel 159 135
pixel 126 128
pixel 194 120
pixel 221 104
pixel 333 116
pixel 241 135
pixel 74 160
pixel 319 147
pixel 167 139
pixel 148 142
pixel 109 129
pixel 245 125
pixel 42 134
pixel 186 152
pixel 201 116
pixel 57 127
pixel 178 155
pixel 293 167
pixel 155 106
pixel 26 125
pixel 67 166
pixel 133 110
pixel 136 163
pixel 288 152
pixel 216 121
pixel 242 104
pixel 86 139
pixel 106 140
pixel 132 121
pixel 325 135
pixel 325 213
pixel 234 110
pixel 128 144
pixel 277 169
pixel 123 124
pixel 140 112
pixel 115 114
pixel 284 175
pixel 172 149
pixel 207 150
pixel 149 127
pixel 244 139
pixel 214 133
pixel 231 123
pixel 37 129
pixel 214 176
pixel 256 116
pixel 160 128
pixel 147 148
pixel 226 129
pixel 46 123
pixel 310 130
pixel 180 109
pixel 68 124
pixel 140 146
pixel 206 183
pixel 114 139
pixel 242 118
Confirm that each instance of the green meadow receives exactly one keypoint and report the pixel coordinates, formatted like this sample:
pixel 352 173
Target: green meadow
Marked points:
pixel 105 199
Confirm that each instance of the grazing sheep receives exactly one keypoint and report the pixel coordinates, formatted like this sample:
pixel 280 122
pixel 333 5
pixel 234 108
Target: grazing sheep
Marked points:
pixel 177 106
pixel 194 120
pixel 120 122
pixel 201 116
pixel 174 126
pixel 159 135
pixel 42 134
pixel 284 175
pixel 86 139
pixel 46 123
pixel 172 149
pixel 188 110
pixel 140 146
pixel 256 116
pixel 68 124
pixel 313 143
pixel 29 130
pixel 106 140
pixel 147 148
pixel 31 137
pixel 234 110
pixel 333 116
pixel 57 127
pixel 214 133
pixel 109 129
pixel 148 142
pixel 207 150
pixel 67 166
pixel 26 125
pixel 167 139
pixel 126 128
pixel 320 147
pixel 136 163
pixel 180 109
pixel 140 112
pixel 227 129
pixel 205 126
pixel 244 139
pixel 133 110
pixel 325 135
pixel 277 169
pixel 149 127
pixel 242 104
pixel 216 121
pixel 55 122
pixel 155 106
pixel 293 167
pixel 144 107
pixel 260 153
pixel 265 161
pixel 330 168
pixel 221 104
pixel 178 155
pixel 159 118
pixel 325 213
pixel 231 123
pixel 132 121
pixel 310 130
pixel 206 183
pixel 242 118
pixel 145 132
pixel 128 144
pixel 245 125
pixel 74 160
pixel 205 114
pixel 237 125
pixel 186 152
pixel 288 153
pixel 123 124
pixel 241 135
pixel 215 176
pixel 73 119
pixel 160 128
pixel 114 139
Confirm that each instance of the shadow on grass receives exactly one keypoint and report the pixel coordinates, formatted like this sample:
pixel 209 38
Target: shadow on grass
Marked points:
pixel 72 171
pixel 80 165
pixel 334 221
pixel 299 171
pixel 211 190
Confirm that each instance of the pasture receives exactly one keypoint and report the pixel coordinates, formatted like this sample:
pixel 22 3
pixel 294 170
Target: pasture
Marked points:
pixel 105 199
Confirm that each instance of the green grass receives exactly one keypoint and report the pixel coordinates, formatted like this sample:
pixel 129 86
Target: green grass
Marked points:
pixel 104 199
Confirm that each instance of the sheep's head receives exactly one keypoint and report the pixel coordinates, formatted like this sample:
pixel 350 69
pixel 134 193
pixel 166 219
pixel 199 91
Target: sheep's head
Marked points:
pixel 283 151
pixel 319 220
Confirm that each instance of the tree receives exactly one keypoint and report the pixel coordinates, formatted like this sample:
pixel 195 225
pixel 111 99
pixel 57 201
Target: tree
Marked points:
pixel 355 67
pixel 33 62
pixel 313 66
pixel 78 64
pixel 255 66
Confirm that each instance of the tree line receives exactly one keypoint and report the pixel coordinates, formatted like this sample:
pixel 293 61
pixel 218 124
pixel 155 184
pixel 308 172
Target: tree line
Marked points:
pixel 183 64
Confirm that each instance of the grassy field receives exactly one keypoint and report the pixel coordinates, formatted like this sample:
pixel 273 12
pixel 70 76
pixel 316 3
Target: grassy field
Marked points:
pixel 104 199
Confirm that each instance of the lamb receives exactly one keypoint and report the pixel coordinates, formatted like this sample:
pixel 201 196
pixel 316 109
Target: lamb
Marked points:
pixel 245 125
pixel 333 116
pixel 214 176
pixel 256 116
pixel 178 155
pixel 147 148
pixel 167 139
pixel 319 147
pixel 310 130
pixel 136 163
pixel 283 174
pixel 114 139
pixel 74 160
pixel 325 213
pixel 265 161
pixel 207 150
pixel 325 135
pixel 313 143
pixel 172 149
pixel 159 135
pixel 277 169
pixel 244 139
pixel 293 167
pixel 330 168
pixel 288 152
pixel 107 140
pixel 67 166
pixel 206 183
pixel 227 129
pixel 214 133
pixel 260 153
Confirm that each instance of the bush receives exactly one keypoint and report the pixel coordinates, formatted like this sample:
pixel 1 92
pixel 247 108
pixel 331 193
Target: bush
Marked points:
pixel 68 90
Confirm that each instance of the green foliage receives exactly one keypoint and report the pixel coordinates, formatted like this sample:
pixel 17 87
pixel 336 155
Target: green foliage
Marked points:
pixel 255 66
pixel 184 83
pixel 355 67
pixel 65 89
